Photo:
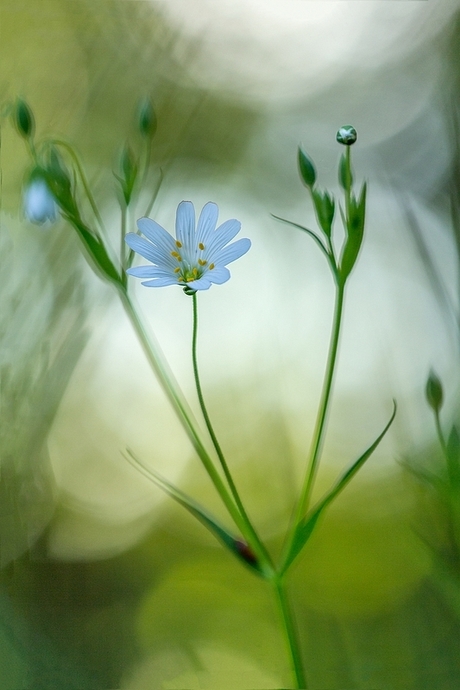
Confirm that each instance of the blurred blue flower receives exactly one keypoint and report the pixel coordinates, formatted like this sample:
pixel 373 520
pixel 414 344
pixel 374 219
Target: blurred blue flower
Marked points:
pixel 39 203
pixel 196 258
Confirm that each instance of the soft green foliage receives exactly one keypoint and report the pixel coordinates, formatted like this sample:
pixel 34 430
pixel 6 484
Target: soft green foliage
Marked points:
pixel 147 119
pixel 325 208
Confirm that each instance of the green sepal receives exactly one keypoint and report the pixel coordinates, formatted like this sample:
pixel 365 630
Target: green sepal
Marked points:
pixel 433 391
pixel 453 458
pixel 306 169
pixel 147 119
pixel 354 229
pixel 129 169
pixel 325 209
pixel 24 119
pixel 238 546
pixel 306 526
pixel 345 173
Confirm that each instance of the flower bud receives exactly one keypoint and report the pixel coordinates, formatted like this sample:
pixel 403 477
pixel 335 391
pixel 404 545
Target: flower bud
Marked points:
pixel 24 119
pixel 147 119
pixel 306 169
pixel 347 135
pixel 39 204
pixel 433 392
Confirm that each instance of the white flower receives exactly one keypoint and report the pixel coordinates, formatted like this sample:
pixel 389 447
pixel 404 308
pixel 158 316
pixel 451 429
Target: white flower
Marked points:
pixel 39 204
pixel 196 258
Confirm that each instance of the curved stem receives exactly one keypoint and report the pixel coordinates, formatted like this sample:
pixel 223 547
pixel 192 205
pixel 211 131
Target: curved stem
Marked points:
pixel 290 634
pixel 234 491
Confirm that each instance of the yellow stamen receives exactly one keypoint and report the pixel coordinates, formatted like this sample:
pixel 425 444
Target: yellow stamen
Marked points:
pixel 195 272
pixel 177 270
pixel 175 255
pixel 180 279
pixel 202 262
pixel 211 266
pixel 201 246
pixel 178 244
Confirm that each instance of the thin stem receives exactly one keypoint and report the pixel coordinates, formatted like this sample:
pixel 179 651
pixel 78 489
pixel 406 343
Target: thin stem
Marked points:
pixel 155 193
pixel 320 427
pixel 124 211
pixel 440 435
pixel 290 634
pixel 216 444
pixel 171 388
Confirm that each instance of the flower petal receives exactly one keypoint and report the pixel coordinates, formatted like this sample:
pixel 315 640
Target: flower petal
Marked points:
pixel 160 282
pixel 185 229
pixel 222 236
pixel 207 223
pixel 218 275
pixel 202 283
pixel 232 252
pixel 150 272
pixel 149 251
pixel 156 234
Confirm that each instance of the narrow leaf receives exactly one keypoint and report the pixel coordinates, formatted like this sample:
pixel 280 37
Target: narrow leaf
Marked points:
pixel 354 228
pixel 309 232
pixel 236 545
pixel 306 526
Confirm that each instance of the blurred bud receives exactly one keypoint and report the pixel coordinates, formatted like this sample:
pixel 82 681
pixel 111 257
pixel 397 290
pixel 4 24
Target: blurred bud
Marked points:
pixel 433 392
pixel 325 208
pixel 24 119
pixel 147 119
pixel 347 135
pixel 306 169
pixel 39 204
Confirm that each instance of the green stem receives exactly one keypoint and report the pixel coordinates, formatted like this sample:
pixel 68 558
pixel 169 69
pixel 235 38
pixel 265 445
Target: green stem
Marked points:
pixel 124 211
pixel 440 435
pixel 171 388
pixel 234 491
pixel 290 633
pixel 320 426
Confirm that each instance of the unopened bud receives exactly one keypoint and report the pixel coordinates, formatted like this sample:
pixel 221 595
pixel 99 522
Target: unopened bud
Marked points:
pixel 347 135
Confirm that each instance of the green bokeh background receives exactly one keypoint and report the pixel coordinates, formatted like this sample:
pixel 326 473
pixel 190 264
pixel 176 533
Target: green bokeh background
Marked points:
pixel 158 604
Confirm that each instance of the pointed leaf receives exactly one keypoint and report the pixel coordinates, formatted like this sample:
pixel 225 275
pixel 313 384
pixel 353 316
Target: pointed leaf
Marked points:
pixel 312 234
pixel 354 228
pixel 306 526
pixel 236 545
pixel 325 208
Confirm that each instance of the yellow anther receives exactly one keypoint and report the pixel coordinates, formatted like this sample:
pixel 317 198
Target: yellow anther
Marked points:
pixel 211 266
pixel 202 262
pixel 201 246
pixel 178 244
pixel 195 271
pixel 180 279
pixel 177 270
pixel 175 255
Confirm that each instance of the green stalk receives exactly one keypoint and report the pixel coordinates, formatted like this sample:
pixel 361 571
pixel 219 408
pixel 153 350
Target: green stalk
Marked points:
pixel 290 633
pixel 124 211
pixel 321 419
pixel 234 491
pixel 170 387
